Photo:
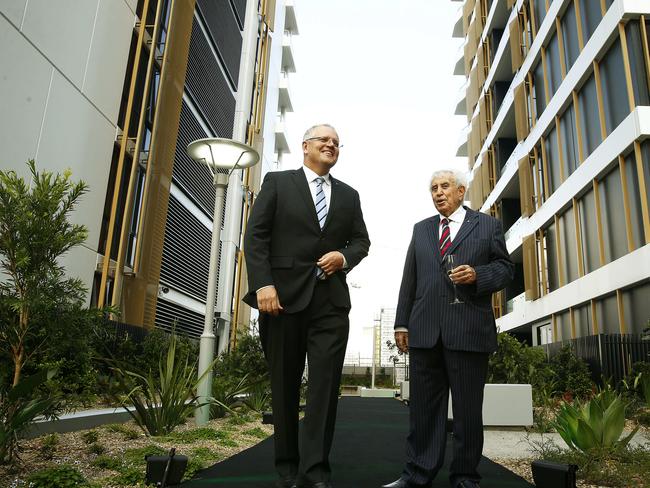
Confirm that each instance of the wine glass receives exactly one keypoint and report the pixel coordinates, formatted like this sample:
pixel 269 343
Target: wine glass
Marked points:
pixel 449 264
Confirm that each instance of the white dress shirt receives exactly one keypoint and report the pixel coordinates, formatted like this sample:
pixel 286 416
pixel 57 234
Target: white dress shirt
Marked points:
pixel 455 221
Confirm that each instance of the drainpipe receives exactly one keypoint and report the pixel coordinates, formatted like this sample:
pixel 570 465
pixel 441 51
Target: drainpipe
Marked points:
pixel 235 196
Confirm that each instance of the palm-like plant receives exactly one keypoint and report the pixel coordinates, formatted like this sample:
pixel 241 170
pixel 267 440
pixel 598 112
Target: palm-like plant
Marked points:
pixel 162 403
pixel 596 424
pixel 19 406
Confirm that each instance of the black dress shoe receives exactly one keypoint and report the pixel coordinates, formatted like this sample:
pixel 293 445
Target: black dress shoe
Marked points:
pixel 286 482
pixel 400 483
pixel 467 484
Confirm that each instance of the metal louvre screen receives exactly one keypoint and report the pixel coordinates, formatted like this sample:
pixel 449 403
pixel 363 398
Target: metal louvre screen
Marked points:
pixel 222 25
pixel 186 252
pixel 194 178
pixel 240 10
pixel 186 322
pixel 207 87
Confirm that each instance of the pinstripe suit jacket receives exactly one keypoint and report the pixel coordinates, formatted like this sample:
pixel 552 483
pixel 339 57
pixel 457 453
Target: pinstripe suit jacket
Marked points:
pixel 423 306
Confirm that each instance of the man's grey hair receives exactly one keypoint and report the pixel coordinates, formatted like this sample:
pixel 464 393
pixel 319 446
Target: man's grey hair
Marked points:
pixel 460 177
pixel 310 132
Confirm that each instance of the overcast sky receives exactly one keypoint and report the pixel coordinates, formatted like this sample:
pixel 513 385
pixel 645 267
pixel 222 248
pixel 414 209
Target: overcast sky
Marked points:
pixel 380 71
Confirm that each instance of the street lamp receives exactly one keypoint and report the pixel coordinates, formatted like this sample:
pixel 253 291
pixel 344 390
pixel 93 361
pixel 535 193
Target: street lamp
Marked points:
pixel 224 154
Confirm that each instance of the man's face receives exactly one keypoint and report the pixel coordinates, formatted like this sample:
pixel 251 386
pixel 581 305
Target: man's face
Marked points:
pixel 322 148
pixel 446 195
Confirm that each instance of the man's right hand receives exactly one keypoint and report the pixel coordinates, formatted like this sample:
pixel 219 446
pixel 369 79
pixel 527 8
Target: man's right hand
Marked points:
pixel 402 341
pixel 268 301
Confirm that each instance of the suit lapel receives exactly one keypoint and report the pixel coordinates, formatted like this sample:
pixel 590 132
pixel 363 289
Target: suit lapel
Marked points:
pixel 335 201
pixel 471 219
pixel 434 223
pixel 300 180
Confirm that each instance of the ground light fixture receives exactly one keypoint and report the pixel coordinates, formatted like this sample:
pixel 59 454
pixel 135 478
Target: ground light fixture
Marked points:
pixel 165 471
pixel 222 156
pixel 548 474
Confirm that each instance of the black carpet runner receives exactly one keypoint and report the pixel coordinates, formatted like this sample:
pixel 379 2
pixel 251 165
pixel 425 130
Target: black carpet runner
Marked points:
pixel 368 452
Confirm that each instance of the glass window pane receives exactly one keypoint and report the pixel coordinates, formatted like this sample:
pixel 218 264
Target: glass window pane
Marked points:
pixel 538 82
pixel 589 231
pixel 634 201
pixel 553 160
pixel 551 258
pixel 570 36
pixel 607 313
pixel 612 218
pixel 645 163
pixel 639 310
pixel 589 118
pixel 569 140
pixel 637 63
pixel 582 319
pixel 614 87
pixel 539 10
pixel 553 64
pixel 568 241
pixel 563 325
pixel 590 16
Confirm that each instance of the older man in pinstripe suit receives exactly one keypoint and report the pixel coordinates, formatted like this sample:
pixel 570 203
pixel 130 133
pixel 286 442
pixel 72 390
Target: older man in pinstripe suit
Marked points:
pixel 449 343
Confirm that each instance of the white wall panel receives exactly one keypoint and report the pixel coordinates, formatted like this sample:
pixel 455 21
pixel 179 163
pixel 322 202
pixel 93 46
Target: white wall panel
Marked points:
pixel 24 83
pixel 13 10
pixel 109 54
pixel 62 30
pixel 132 4
pixel 77 136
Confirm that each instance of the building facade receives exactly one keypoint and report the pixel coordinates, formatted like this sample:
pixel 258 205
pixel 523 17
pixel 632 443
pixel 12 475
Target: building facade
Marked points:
pixel 558 141
pixel 115 90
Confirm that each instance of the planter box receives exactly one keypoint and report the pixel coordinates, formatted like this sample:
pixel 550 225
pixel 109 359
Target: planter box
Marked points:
pixel 71 422
pixel 377 392
pixel 503 404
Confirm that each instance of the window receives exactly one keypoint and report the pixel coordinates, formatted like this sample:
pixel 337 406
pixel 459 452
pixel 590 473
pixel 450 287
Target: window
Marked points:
pixel 553 66
pixel 590 16
pixel 568 239
pixel 552 160
pixel 638 311
pixel 570 36
pixel 612 218
pixel 563 325
pixel 538 83
pixel 607 314
pixel 539 11
pixel 551 258
pixel 614 87
pixel 589 231
pixel 645 163
pixel 582 319
pixel 634 201
pixel 637 64
pixel 589 116
pixel 569 140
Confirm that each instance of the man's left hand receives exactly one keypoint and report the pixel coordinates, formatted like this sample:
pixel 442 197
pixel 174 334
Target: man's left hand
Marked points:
pixel 463 275
pixel 331 262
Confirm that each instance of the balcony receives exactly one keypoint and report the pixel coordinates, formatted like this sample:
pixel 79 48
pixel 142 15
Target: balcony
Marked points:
pixel 290 23
pixel 284 97
pixel 281 139
pixel 288 63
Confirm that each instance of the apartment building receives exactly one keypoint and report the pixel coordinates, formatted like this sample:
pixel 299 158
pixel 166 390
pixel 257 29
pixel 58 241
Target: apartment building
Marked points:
pixel 557 101
pixel 115 90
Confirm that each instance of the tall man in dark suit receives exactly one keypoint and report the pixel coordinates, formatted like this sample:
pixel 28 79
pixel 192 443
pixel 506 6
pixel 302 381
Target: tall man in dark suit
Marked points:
pixel 449 343
pixel 305 232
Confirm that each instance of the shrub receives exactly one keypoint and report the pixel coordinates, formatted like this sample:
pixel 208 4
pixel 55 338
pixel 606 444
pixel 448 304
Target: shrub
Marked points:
pixel 63 476
pixel 48 446
pixel 90 437
pixel 96 448
pixel 571 374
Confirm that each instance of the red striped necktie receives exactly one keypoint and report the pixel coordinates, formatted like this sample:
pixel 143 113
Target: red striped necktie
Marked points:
pixel 445 237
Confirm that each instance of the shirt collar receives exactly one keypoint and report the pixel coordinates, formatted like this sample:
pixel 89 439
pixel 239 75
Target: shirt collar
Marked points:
pixel 311 175
pixel 458 215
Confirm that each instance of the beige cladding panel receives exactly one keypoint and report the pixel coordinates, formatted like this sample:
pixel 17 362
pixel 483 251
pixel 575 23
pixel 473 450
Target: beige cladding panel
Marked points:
pixel 531 280
pixel 521 113
pixel 515 44
pixel 526 187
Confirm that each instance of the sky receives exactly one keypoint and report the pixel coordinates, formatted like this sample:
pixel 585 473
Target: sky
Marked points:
pixel 381 72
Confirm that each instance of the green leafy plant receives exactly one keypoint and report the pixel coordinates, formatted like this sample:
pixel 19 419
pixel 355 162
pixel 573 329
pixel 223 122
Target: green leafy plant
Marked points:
pixel 63 476
pixel 571 374
pixel 162 402
pixel 19 406
pixel 96 448
pixel 128 433
pixel 259 396
pixel 597 424
pixel 228 395
pixel 35 232
pixel 256 432
pixel 90 436
pixel 49 445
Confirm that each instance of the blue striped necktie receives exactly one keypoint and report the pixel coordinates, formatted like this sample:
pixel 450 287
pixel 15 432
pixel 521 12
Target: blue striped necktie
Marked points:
pixel 321 213
pixel 320 202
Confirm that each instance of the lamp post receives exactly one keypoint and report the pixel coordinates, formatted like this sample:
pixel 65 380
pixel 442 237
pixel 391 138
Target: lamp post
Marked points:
pixel 224 154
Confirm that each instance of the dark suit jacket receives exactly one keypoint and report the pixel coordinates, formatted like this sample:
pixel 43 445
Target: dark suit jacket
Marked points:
pixel 424 296
pixel 283 240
